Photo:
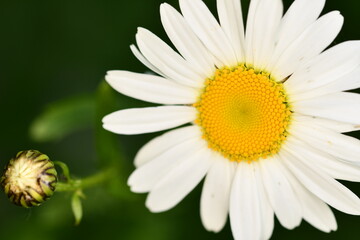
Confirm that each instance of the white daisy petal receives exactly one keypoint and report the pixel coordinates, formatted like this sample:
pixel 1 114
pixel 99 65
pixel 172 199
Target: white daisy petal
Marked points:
pixel 214 205
pixel 336 126
pixel 185 40
pixel 264 33
pixel 178 182
pixel 310 43
pixel 339 145
pixel 318 213
pixel 166 59
pixel 249 33
pixel 329 66
pixel 143 60
pixel 148 175
pixel 314 210
pixel 323 186
pixel 347 82
pixel 336 106
pixel 146 120
pixel 327 163
pixel 151 88
pixel 245 211
pixel 208 30
pixel 231 21
pixel 281 196
pixel 168 140
pixel 300 15
pixel 265 206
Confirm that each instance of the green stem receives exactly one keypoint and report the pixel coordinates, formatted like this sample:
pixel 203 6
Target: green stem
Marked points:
pixel 93 180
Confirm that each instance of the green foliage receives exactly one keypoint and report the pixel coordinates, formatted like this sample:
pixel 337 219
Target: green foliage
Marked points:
pixel 68 116
pixel 62 118
pixel 76 206
pixel 109 151
pixel 107 145
pixel 64 168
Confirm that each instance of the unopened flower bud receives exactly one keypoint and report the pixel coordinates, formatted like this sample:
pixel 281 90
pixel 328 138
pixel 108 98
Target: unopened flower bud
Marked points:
pixel 29 179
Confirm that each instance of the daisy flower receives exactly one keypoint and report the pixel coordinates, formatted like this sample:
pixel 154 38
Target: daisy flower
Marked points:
pixel 266 112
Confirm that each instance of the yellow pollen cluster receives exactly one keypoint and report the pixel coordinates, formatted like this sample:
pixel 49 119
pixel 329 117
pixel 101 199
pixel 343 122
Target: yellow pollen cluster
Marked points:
pixel 243 114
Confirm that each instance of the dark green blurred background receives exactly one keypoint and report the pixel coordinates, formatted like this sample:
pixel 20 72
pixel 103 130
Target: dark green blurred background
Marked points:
pixel 50 50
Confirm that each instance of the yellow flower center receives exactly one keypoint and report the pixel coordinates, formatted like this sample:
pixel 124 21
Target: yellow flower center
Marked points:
pixel 243 114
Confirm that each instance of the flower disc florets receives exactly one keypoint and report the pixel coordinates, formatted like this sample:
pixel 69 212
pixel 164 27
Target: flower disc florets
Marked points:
pixel 244 114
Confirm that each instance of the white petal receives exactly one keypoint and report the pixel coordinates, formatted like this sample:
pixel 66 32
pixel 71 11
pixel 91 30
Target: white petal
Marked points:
pixel 327 67
pixel 231 21
pixel 151 88
pixel 282 198
pixel 310 43
pixel 347 82
pixel 208 30
pixel 336 126
pixel 185 40
pixel 250 29
pixel 146 120
pixel 341 106
pixel 170 63
pixel 168 140
pixel 265 206
pixel 266 23
pixel 300 15
pixel 143 60
pixel 323 186
pixel 144 178
pixel 179 181
pixel 245 211
pixel 339 145
pixel 327 163
pixel 314 210
pixel 215 196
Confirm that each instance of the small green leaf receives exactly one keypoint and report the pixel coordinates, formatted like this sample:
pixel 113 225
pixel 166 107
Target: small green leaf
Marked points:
pixel 63 117
pixel 77 206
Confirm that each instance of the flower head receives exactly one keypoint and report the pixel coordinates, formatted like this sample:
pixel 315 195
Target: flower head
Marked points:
pixel 29 179
pixel 266 107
